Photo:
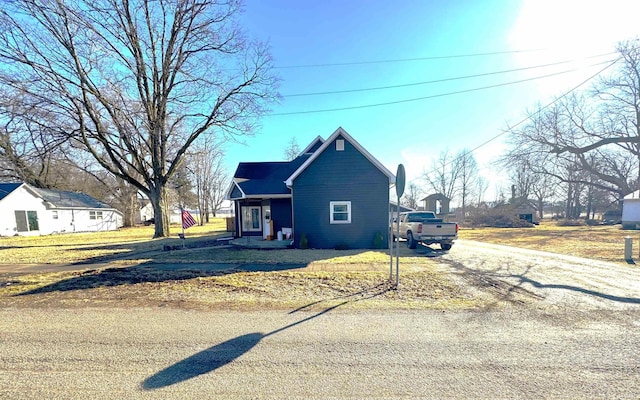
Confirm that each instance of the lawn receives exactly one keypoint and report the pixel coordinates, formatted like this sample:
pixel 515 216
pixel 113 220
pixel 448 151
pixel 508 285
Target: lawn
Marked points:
pixel 604 242
pixel 315 280
pixel 136 245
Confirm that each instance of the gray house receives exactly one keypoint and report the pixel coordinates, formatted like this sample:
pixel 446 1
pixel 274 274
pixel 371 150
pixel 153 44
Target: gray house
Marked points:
pixel 335 193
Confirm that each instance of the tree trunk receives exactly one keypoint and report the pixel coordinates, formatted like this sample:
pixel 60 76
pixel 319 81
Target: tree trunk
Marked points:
pixel 158 200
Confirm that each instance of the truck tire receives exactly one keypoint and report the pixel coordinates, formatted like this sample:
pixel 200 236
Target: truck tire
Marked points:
pixel 446 246
pixel 411 242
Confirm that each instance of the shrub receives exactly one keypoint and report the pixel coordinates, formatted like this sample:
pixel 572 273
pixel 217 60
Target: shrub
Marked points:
pixel 378 241
pixel 500 221
pixel 570 222
pixel 304 242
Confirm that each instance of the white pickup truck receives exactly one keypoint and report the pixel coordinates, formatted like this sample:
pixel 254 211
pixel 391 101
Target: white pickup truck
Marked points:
pixel 423 227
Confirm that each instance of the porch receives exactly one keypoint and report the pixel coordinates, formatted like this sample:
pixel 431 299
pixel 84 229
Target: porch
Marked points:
pixel 257 242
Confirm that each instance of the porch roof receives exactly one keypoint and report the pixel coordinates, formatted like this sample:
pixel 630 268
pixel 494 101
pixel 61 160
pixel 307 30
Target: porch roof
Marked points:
pixel 264 179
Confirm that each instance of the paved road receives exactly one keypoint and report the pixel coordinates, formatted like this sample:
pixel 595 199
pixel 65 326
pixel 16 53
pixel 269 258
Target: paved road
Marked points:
pixel 170 354
pixel 573 332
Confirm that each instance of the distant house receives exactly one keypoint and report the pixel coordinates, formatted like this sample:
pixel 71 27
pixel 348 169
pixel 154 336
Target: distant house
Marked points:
pixel 26 210
pixel 631 210
pixel 335 194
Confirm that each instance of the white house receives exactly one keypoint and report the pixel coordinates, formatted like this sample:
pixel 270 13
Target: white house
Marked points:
pixel 29 211
pixel 631 210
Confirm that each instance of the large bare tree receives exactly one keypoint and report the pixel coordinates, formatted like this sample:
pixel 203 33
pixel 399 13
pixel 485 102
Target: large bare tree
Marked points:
pixel 135 82
pixel 597 130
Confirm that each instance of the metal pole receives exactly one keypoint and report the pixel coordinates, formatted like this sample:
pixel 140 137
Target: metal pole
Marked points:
pixel 182 222
pixel 398 244
pixel 391 243
pixel 628 248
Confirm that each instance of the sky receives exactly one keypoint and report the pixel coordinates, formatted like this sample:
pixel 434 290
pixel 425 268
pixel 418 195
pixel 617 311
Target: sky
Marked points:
pixel 357 46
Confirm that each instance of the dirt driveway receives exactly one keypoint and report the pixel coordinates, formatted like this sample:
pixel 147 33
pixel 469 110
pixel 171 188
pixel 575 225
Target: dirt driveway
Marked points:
pixel 549 280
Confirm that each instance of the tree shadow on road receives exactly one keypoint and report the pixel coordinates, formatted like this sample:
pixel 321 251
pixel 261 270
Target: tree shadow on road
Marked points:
pixel 536 284
pixel 151 272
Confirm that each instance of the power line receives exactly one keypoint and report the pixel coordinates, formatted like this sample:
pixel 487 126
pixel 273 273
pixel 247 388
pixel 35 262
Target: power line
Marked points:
pixel 405 59
pixel 441 80
pixel 548 104
pixel 432 96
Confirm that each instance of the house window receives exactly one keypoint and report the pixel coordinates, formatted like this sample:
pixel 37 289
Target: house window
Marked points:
pixel 26 221
pixel 340 212
pixel 54 214
pixel 340 145
pixel 95 214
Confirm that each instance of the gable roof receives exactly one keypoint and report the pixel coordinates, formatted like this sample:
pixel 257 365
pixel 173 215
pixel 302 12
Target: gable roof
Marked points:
pixel 313 146
pixel 64 199
pixel 327 143
pixel 631 196
pixel 7 188
pixel 57 198
pixel 259 179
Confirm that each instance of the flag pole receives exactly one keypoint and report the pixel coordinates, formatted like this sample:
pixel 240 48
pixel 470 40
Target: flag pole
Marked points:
pixel 182 223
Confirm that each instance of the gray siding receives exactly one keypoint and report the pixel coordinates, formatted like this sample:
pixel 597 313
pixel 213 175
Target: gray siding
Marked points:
pixel 235 193
pixel 281 214
pixel 341 176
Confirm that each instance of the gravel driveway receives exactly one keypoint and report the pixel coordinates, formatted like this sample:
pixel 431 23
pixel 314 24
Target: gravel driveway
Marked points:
pixel 549 280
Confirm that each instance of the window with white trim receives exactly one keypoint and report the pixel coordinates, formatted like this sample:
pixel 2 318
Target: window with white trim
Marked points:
pixel 95 214
pixel 26 221
pixel 340 212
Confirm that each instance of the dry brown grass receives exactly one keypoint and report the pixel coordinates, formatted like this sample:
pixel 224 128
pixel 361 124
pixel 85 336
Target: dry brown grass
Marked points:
pixel 604 243
pixel 319 279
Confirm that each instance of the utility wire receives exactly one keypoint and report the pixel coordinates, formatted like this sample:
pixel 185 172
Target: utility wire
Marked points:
pixel 404 59
pixel 442 80
pixel 432 96
pixel 547 105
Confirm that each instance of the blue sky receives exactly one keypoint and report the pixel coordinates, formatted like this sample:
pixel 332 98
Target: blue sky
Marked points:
pixel 443 34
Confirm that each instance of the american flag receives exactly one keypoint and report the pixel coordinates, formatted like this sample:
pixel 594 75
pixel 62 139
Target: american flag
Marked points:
pixel 187 219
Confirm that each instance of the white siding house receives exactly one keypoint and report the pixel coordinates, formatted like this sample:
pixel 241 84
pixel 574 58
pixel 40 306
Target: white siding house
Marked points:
pixel 29 211
pixel 631 210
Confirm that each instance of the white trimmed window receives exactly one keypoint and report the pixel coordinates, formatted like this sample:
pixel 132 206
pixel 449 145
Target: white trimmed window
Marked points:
pixel 95 214
pixel 340 212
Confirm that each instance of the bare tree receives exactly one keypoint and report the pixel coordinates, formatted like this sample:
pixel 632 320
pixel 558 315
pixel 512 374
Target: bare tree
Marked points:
pixel 412 196
pixel 210 176
pixel 135 82
pixel 442 176
pixel 599 131
pixel 468 175
pixel 292 150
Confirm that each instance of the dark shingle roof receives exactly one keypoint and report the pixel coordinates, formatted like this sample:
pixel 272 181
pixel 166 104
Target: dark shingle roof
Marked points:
pixel 62 199
pixel 6 188
pixel 266 178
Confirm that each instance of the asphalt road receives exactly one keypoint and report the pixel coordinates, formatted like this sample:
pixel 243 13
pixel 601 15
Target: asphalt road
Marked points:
pixel 565 328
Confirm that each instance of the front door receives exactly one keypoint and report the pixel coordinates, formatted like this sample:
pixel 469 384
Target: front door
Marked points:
pixel 251 220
